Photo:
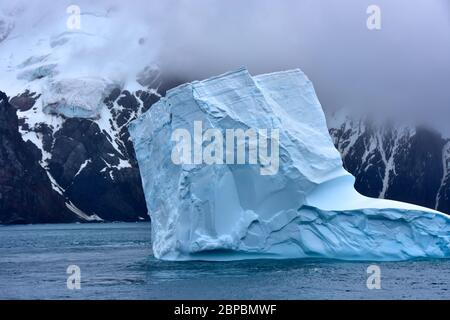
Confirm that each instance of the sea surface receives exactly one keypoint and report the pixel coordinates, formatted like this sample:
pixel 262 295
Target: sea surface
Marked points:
pixel 115 262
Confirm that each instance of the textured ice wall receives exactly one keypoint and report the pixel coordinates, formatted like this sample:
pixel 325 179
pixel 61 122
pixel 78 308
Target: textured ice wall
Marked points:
pixel 309 208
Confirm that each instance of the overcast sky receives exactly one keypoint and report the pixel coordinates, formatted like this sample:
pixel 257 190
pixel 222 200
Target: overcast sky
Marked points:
pixel 404 68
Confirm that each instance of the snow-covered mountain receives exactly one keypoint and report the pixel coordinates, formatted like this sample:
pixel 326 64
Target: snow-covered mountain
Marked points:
pixel 74 91
pixel 395 161
pixel 74 94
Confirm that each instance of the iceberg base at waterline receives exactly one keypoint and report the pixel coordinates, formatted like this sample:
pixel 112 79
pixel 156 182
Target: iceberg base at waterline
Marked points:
pixel 306 208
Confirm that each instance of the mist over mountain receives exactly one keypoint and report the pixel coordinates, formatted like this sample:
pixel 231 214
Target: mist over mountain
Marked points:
pixel 402 69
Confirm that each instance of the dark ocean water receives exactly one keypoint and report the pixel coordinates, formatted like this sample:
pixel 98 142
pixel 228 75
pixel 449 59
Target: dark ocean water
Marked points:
pixel 116 263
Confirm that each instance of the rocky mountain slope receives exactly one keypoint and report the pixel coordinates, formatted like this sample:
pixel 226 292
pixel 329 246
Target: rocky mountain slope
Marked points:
pixel 26 194
pixel 398 162
pixel 68 108
pixel 89 163
pixel 57 168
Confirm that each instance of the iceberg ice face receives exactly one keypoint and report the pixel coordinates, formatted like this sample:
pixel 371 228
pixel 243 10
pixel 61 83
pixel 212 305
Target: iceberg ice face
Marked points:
pixel 227 210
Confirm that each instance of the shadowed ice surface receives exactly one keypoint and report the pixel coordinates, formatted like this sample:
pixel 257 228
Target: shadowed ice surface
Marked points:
pixel 116 263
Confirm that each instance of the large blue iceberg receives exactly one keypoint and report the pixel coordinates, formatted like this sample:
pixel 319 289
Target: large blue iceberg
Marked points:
pixel 303 206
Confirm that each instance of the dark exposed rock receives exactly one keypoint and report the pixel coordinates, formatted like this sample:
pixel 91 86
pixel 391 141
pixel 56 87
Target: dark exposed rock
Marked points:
pixel 114 195
pixel 419 170
pixel 26 193
pixel 47 135
pixel 147 99
pixel 94 169
pixel 24 101
pixel 87 166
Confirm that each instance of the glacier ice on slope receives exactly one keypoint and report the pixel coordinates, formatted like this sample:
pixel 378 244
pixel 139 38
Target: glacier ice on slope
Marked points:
pixel 308 209
pixel 81 97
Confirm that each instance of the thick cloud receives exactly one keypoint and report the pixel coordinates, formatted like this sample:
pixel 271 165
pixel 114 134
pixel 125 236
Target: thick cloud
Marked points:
pixel 403 69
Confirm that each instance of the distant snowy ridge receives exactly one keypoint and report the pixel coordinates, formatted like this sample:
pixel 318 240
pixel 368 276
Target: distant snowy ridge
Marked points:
pixel 396 161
